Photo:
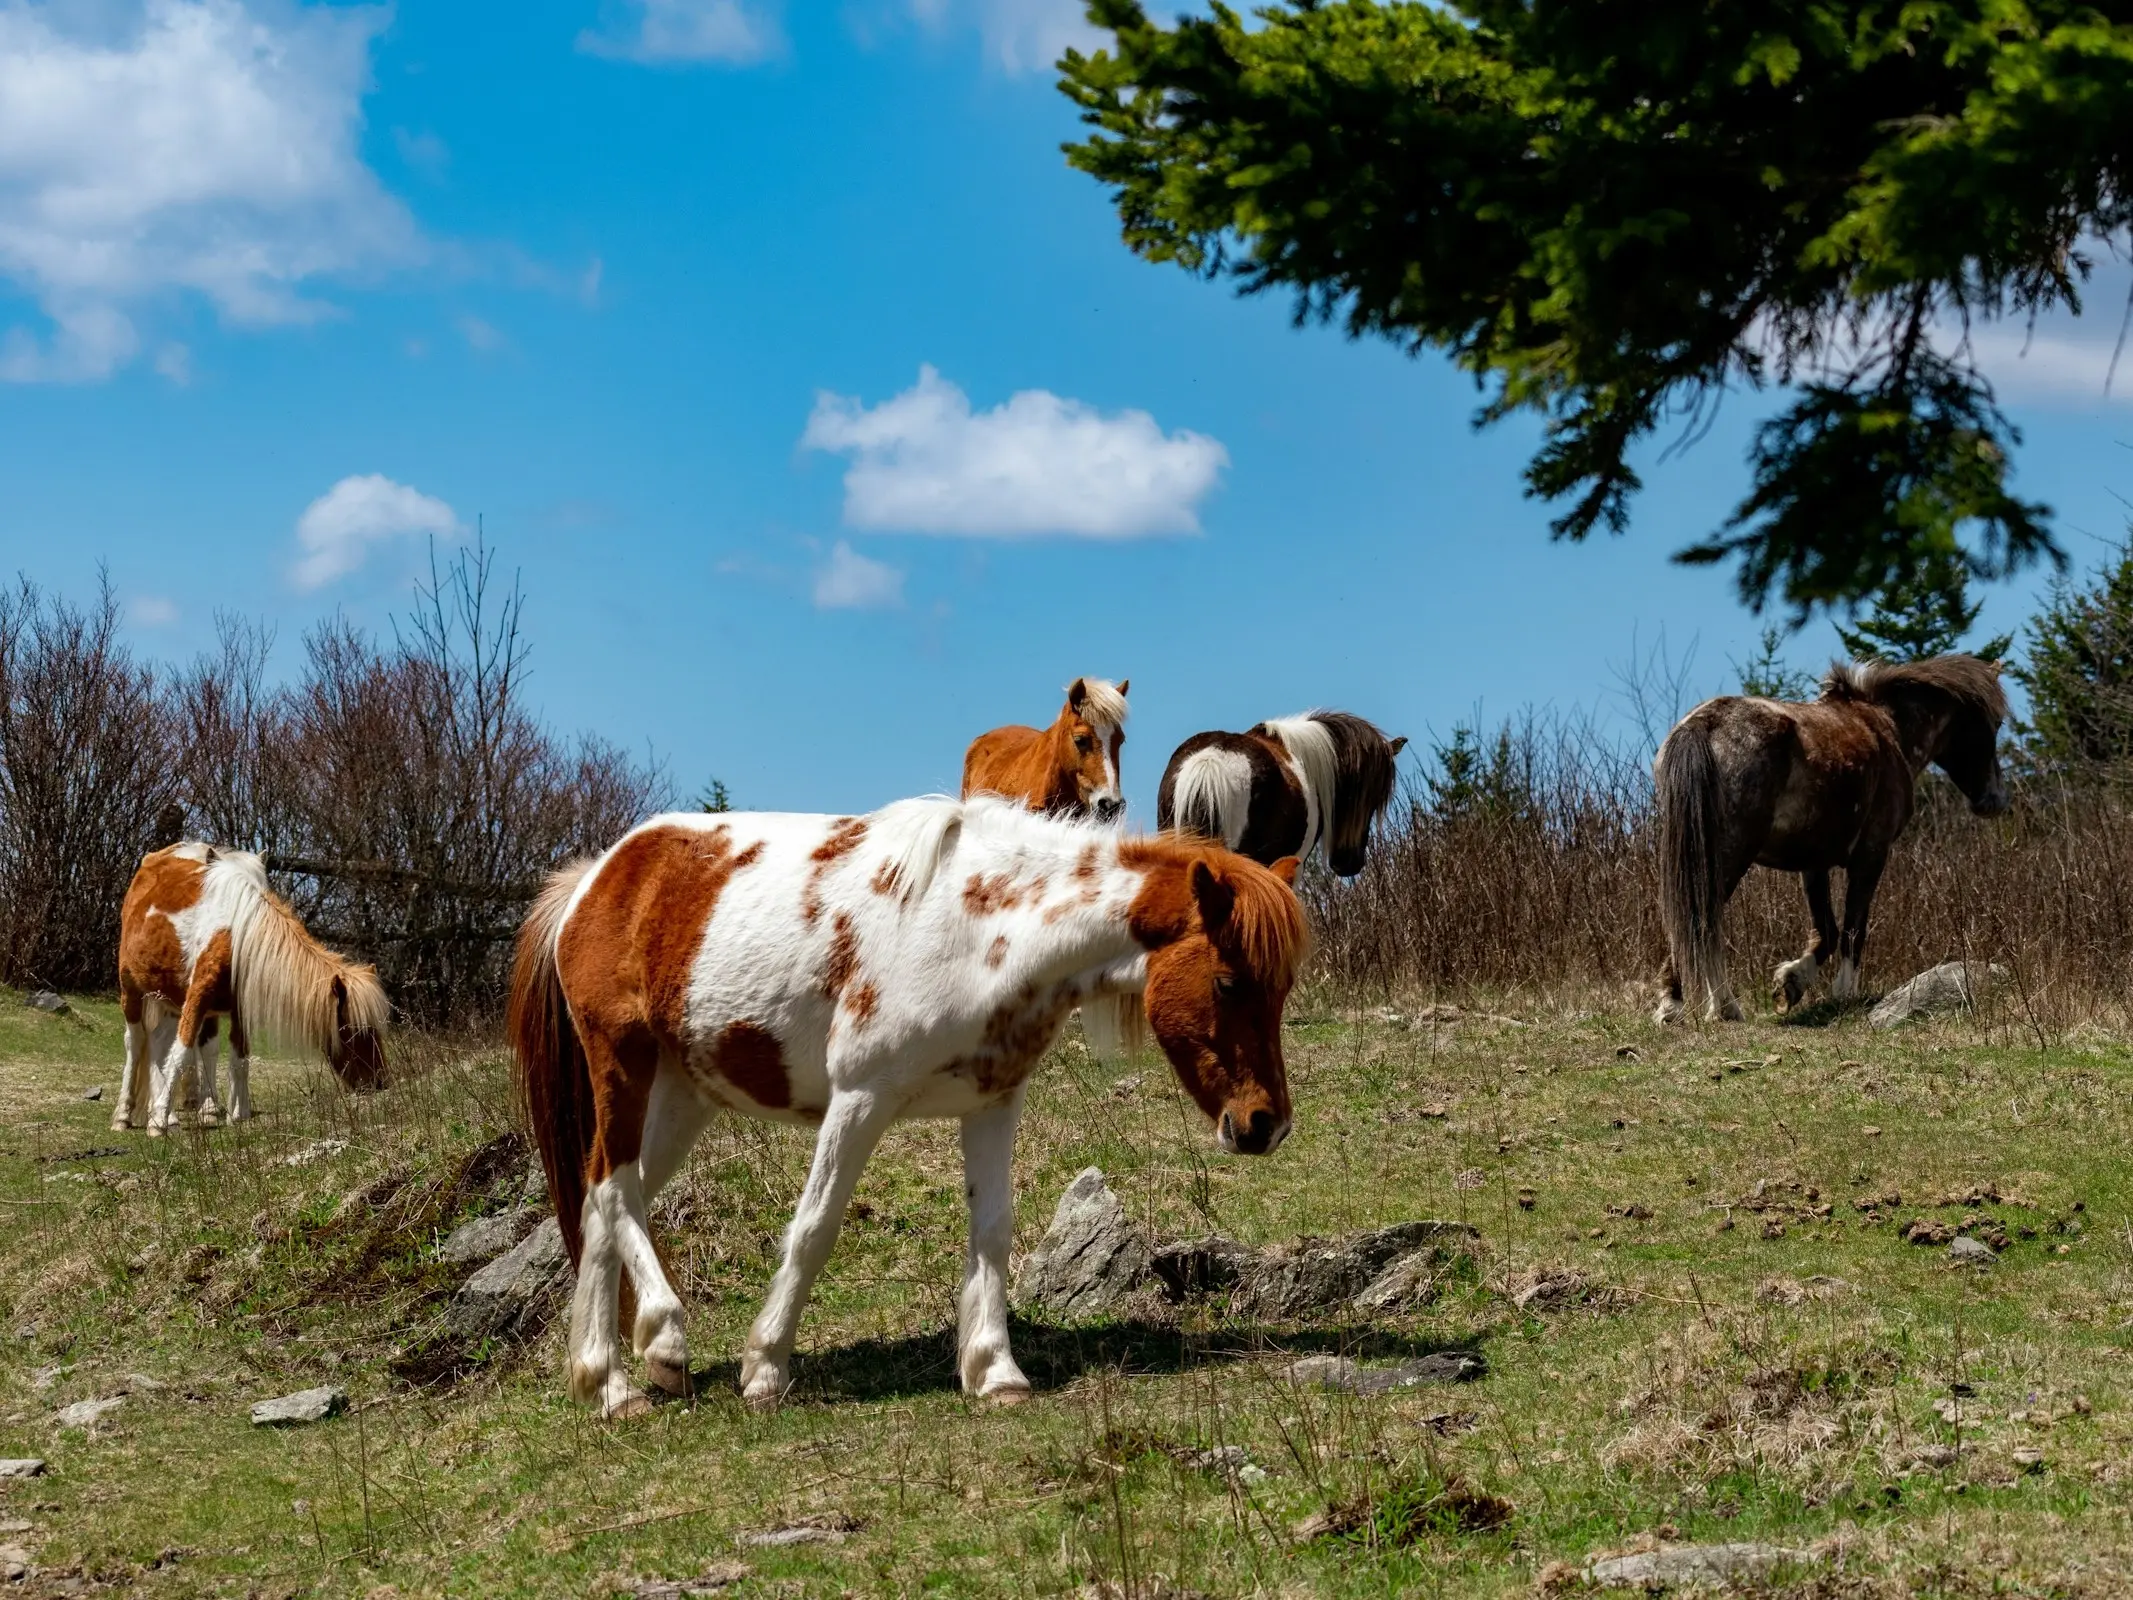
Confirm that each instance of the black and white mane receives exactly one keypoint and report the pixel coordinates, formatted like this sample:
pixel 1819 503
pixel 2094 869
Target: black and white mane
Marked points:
pixel 1284 787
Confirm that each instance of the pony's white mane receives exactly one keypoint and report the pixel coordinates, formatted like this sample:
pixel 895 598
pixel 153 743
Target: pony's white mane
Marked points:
pixel 1212 794
pixel 1101 704
pixel 1310 745
pixel 283 977
pixel 921 836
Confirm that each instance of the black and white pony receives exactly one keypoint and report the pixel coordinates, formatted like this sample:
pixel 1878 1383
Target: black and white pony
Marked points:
pixel 1284 788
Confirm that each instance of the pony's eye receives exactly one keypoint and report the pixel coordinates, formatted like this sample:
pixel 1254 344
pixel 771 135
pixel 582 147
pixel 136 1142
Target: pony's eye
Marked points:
pixel 1225 984
pixel 1083 743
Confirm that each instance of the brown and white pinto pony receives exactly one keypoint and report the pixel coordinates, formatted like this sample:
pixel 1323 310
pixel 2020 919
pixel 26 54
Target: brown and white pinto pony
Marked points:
pixel 1284 788
pixel 1067 770
pixel 202 937
pixel 1804 787
pixel 845 973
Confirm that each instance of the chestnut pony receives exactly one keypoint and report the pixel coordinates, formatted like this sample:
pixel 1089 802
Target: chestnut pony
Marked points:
pixel 1804 787
pixel 846 973
pixel 1069 769
pixel 202 937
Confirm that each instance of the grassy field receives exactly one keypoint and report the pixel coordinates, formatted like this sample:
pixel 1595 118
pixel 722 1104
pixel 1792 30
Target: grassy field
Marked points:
pixel 1745 1345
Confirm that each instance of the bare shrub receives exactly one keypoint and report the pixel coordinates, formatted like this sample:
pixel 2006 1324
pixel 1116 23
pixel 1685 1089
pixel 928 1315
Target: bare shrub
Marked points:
pixel 84 770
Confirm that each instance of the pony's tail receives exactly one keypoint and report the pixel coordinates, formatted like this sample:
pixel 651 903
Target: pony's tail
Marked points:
pixel 1114 1025
pixel 1211 795
pixel 554 1079
pixel 1691 874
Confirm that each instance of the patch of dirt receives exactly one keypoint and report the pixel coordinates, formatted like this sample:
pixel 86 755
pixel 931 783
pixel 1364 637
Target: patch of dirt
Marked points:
pixel 1407 1511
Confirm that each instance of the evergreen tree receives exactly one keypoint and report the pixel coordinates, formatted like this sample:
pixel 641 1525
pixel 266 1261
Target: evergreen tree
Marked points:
pixel 714 799
pixel 1610 216
pixel 1768 674
pixel 1923 611
pixel 2078 670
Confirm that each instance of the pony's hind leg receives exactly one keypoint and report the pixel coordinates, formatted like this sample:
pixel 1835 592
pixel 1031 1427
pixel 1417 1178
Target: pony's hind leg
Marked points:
pixel 171 1076
pixel 622 1075
pixel 1795 980
pixel 673 1118
pixel 133 1077
pixel 1861 877
pixel 983 1359
pixel 240 1072
pixel 851 1127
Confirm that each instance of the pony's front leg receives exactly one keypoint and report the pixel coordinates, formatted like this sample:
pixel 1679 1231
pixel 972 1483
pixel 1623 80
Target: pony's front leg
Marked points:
pixel 1862 875
pixel 851 1128
pixel 175 1071
pixel 983 1359
pixel 1795 980
pixel 240 1072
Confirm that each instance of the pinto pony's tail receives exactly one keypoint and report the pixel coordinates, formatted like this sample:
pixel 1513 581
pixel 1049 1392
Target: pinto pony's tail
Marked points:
pixel 554 1079
pixel 1691 872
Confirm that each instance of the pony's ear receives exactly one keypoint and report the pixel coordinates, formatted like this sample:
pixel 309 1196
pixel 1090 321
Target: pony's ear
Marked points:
pixel 1397 745
pixel 1216 898
pixel 1077 692
pixel 1285 869
pixel 1124 684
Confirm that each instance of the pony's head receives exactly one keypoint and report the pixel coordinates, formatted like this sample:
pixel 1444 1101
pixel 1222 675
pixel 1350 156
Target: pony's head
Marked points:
pixel 1224 937
pixel 357 1050
pixel 1364 773
pixel 1087 737
pixel 1949 709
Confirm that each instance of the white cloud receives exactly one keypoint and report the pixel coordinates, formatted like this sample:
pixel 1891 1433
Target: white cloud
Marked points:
pixel 151 611
pixel 337 530
pixel 207 146
pixel 923 462
pixel 423 151
pixel 589 284
pixel 480 335
pixel 175 362
pixel 2068 366
pixel 1019 35
pixel 679 31
pixel 849 581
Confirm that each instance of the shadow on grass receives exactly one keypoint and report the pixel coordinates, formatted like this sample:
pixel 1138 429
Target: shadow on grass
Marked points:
pixel 1053 1357
pixel 1822 1013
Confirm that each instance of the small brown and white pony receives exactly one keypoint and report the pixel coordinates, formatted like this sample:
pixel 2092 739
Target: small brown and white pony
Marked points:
pixel 846 973
pixel 1284 788
pixel 202 937
pixel 1804 787
pixel 1069 769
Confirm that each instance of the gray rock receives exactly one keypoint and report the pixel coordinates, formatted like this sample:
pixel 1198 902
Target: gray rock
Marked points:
pixel 1951 986
pixel 1313 1274
pixel 485 1238
pixel 1338 1372
pixel 1694 1564
pixel 1409 1281
pixel 46 1001
pixel 316 1150
pixel 96 1093
pixel 14 1563
pixel 1091 1257
pixel 1970 1252
pixel 87 1413
pixel 1201 1266
pixel 306 1405
pixel 719 1575
pixel 533 1188
pixel 780 1538
pixel 21 1467
pixel 513 1293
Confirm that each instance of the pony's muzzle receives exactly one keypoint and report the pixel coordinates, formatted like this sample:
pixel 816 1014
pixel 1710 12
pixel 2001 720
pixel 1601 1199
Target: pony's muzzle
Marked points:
pixel 1108 808
pixel 1260 1134
pixel 1994 802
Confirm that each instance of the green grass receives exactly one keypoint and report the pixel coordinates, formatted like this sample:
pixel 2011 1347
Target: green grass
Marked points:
pixel 1707 1383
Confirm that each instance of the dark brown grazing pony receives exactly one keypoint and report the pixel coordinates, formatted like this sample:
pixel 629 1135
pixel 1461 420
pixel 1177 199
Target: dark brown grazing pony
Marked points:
pixel 1804 788
pixel 1067 770
pixel 1268 792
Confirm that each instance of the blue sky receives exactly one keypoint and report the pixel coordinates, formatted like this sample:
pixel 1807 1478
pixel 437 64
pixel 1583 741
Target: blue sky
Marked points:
pixel 716 315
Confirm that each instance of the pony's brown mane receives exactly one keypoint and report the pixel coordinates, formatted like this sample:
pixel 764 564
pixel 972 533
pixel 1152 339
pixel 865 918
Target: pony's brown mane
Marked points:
pixel 1267 928
pixel 1968 680
pixel 1364 765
